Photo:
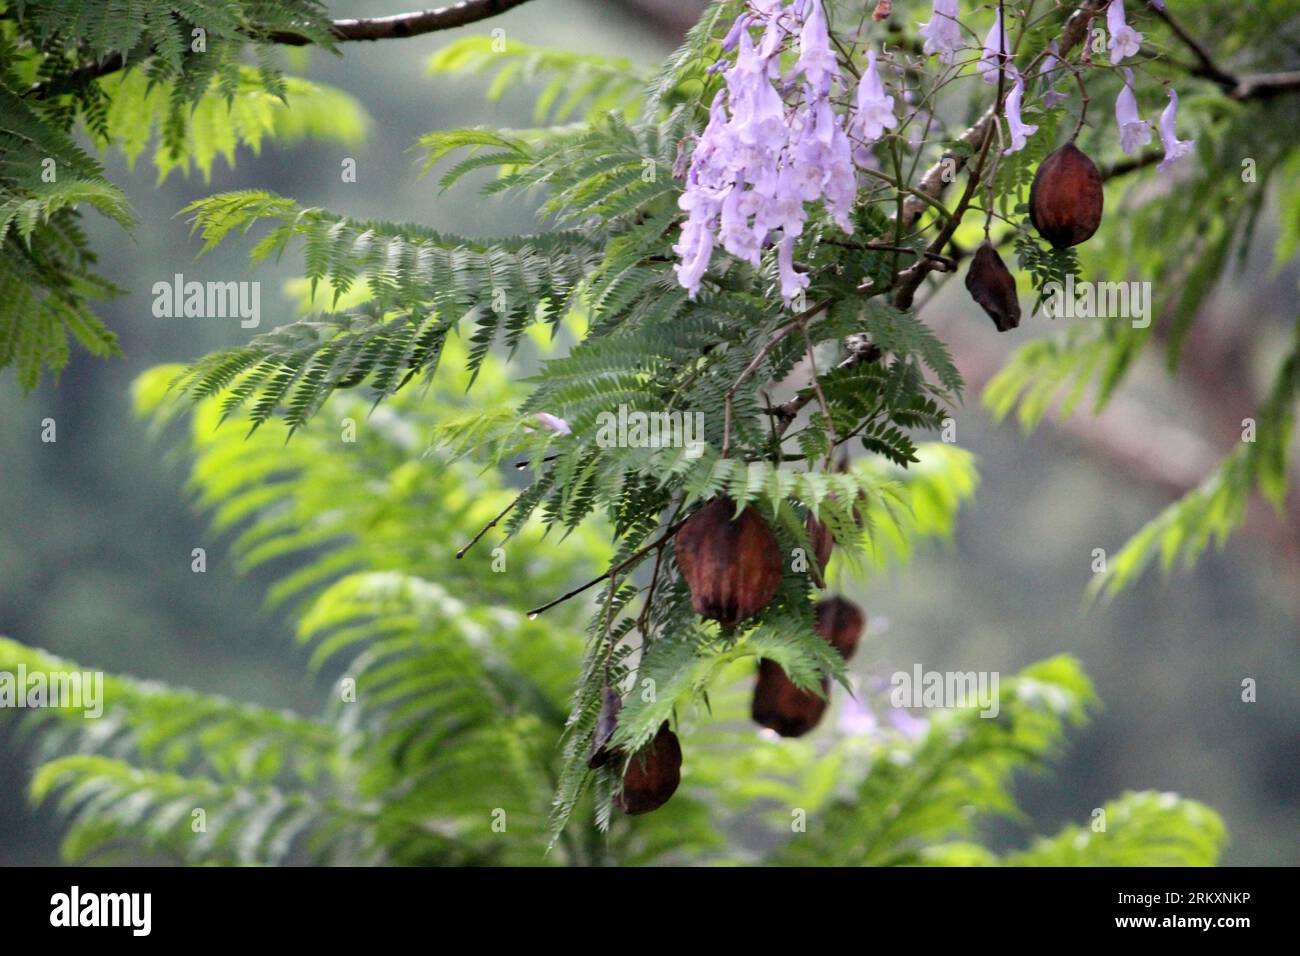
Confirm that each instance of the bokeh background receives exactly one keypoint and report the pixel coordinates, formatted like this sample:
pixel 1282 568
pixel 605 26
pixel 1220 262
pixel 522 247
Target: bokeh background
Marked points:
pixel 96 530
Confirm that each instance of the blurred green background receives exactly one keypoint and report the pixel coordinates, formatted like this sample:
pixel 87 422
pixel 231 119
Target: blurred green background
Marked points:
pixel 96 531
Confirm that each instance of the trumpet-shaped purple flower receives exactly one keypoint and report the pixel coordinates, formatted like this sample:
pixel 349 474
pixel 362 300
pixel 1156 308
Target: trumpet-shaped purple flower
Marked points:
pixel 875 109
pixel 792 283
pixel 994 51
pixel 943 32
pixel 816 61
pixel 1134 132
pixel 1019 130
pixel 1175 148
pixel 1124 40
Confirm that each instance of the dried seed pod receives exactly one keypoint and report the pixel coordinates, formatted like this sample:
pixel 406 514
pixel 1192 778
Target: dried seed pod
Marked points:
pixel 992 285
pixel 841 622
pixel 606 723
pixel 781 706
pixel 652 775
pixel 822 541
pixel 733 568
pixel 1065 201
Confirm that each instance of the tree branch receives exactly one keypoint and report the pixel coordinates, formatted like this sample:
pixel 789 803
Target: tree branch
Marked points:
pixel 397 26
pixel 401 25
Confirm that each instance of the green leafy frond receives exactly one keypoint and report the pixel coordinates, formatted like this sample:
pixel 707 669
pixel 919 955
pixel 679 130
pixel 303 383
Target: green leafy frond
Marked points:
pixel 570 81
pixel 221 119
pixel 111 805
pixel 170 729
pixel 1138 829
pixel 926 793
pixel 1211 512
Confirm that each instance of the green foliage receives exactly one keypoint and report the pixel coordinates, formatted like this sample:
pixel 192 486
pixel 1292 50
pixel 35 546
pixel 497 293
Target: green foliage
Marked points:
pixel 184 78
pixel 1214 510
pixel 464 709
pixel 218 122
pixel 1141 829
pixel 571 80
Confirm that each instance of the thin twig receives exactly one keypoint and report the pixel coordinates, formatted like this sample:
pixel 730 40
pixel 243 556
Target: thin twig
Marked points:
pixel 488 527
pixel 629 560
pixel 1206 68
pixel 817 386
pixel 757 360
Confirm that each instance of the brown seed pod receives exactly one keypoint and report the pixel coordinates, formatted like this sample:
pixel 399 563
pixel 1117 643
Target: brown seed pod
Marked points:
pixel 652 775
pixel 841 622
pixel 781 706
pixel 1065 201
pixel 733 568
pixel 992 285
pixel 822 541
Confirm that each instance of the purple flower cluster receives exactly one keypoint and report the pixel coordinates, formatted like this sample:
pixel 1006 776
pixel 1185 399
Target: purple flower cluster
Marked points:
pixel 774 143
pixel 760 161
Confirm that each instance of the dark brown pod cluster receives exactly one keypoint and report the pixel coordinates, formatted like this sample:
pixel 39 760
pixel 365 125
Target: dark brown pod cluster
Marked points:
pixel 782 706
pixel 992 285
pixel 733 568
pixel 841 622
pixel 653 774
pixel 1065 201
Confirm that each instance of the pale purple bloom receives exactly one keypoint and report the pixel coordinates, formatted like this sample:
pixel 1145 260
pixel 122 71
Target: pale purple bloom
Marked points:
pixel 875 109
pixel 816 61
pixel 1175 148
pixel 1124 40
pixel 553 423
pixel 1158 4
pixel 733 35
pixel 1052 97
pixel 913 728
pixel 860 715
pixel 1050 60
pixel 1019 131
pixel 942 33
pixel 994 51
pixel 1134 132
pixel 761 159
pixel 792 283
pixel 856 719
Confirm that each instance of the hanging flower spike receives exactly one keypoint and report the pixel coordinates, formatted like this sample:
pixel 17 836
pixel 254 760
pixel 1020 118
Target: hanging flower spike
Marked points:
pixel 1175 148
pixel 942 33
pixel 1019 131
pixel 993 51
pixel 1124 40
pixel 816 60
pixel 875 110
pixel 1134 132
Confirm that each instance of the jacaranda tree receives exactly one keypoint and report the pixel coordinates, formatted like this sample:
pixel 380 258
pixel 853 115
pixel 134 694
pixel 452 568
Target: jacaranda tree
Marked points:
pixel 726 296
